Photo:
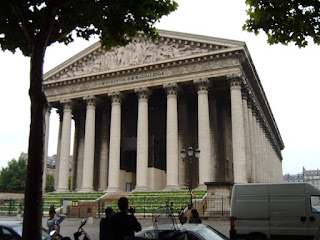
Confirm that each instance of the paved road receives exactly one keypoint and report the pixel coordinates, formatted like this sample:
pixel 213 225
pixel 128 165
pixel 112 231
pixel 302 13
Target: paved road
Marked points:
pixel 70 225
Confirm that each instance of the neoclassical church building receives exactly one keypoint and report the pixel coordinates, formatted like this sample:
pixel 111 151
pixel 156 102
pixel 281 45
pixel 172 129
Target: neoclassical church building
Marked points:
pixel 135 107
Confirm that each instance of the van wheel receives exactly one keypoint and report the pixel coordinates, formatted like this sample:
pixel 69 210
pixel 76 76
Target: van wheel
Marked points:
pixel 257 236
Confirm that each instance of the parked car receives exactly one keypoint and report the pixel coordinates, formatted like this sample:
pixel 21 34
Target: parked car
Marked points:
pixel 186 231
pixel 13 230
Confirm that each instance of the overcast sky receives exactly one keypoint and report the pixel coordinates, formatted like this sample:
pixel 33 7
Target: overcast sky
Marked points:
pixel 289 76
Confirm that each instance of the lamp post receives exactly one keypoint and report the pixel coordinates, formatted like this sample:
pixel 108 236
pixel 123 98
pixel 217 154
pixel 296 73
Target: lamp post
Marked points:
pixel 183 154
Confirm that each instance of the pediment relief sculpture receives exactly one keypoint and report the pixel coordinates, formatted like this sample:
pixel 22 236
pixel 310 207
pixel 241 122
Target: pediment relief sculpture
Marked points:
pixel 140 51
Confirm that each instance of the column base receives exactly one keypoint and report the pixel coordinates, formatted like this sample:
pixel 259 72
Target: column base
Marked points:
pixel 141 189
pixel 172 187
pixel 85 190
pixel 62 190
pixel 113 189
pixel 201 187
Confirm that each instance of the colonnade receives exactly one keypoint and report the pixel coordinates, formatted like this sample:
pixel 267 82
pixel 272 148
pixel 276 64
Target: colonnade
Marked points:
pixel 255 155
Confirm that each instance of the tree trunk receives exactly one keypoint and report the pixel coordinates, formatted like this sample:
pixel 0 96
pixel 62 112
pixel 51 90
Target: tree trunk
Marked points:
pixel 32 222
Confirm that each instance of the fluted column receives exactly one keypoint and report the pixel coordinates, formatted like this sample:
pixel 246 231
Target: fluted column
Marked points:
pixel 172 137
pixel 252 142
pixel 115 137
pixel 238 140
pixel 74 173
pixel 142 140
pixel 65 148
pixel 56 174
pixel 205 164
pixel 89 140
pixel 104 152
pixel 44 176
pixel 246 135
pixel 82 125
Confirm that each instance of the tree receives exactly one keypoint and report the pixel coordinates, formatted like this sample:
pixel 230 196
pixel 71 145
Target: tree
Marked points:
pixel 13 177
pixel 32 26
pixel 50 183
pixel 285 21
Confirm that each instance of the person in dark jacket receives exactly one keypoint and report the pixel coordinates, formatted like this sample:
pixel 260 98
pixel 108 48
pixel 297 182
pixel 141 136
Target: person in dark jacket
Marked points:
pixel 105 231
pixel 122 224
pixel 194 218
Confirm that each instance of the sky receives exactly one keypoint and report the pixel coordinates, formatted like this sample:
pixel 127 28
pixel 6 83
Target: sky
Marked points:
pixel 289 75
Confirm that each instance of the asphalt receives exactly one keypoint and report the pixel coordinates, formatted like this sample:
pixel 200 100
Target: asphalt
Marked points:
pixel 71 225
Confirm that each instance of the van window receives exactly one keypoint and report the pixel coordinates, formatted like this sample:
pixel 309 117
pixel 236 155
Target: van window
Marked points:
pixel 315 204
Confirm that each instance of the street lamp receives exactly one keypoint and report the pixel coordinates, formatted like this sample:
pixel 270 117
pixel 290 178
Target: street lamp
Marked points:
pixel 183 155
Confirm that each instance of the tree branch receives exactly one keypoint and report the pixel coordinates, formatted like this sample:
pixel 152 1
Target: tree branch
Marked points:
pixel 25 24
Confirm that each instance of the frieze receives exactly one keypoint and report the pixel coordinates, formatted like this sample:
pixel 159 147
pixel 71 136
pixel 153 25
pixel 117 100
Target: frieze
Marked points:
pixel 168 72
pixel 140 51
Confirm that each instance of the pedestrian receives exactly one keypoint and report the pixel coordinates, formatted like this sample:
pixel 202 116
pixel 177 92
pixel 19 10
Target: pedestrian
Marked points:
pixel 105 225
pixel 194 218
pixel 53 223
pixel 122 224
pixel 181 213
pixel 52 207
pixel 20 208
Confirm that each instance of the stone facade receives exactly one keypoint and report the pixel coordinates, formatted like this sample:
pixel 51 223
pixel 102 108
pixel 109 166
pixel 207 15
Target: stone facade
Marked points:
pixel 136 106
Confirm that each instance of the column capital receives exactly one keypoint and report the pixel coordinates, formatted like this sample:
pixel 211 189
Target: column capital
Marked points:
pixel 116 96
pixel 202 84
pixel 48 110
pixel 171 88
pixel 67 104
pixel 244 93
pixel 142 92
pixel 90 100
pixel 235 79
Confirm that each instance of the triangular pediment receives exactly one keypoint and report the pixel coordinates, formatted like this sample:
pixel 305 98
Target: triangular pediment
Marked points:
pixel 141 51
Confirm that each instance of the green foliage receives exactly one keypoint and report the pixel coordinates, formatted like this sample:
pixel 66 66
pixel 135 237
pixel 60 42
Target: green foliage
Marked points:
pixel 23 23
pixel 13 177
pixel 50 183
pixel 285 21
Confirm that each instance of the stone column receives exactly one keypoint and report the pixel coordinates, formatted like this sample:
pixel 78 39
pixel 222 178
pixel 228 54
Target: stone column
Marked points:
pixel 74 172
pixel 183 140
pixel 104 152
pixel 260 156
pixel 89 140
pixel 238 140
pixel 44 175
pixel 115 137
pixel 252 142
pixel 82 125
pixel 142 140
pixel 246 134
pixel 172 136
pixel 205 163
pixel 56 174
pixel 65 148
pixel 256 142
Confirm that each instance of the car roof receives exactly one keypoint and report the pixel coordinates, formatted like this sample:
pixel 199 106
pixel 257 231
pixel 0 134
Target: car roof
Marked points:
pixel 10 223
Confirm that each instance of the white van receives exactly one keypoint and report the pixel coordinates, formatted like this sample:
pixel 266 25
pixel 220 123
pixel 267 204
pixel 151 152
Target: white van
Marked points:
pixel 274 210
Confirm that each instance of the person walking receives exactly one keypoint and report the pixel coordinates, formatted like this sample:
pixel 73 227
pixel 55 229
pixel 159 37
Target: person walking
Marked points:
pixel 122 224
pixel 194 218
pixel 105 225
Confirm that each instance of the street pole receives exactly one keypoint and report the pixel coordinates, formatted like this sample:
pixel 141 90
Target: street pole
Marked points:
pixel 183 154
